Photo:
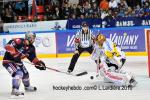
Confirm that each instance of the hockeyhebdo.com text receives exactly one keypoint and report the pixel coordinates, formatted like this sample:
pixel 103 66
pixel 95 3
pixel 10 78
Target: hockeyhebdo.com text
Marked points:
pixel 89 88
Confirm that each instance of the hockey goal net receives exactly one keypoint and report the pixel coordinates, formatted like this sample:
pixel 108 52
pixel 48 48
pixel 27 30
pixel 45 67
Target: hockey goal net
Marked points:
pixel 148 48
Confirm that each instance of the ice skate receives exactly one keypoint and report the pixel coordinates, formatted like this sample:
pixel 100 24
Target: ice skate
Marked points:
pixel 69 71
pixel 30 89
pixel 16 94
pixel 132 82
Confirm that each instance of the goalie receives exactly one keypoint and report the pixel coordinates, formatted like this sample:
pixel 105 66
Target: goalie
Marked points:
pixel 111 56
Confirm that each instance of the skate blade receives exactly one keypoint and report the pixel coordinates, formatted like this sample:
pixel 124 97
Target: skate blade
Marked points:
pixel 16 97
pixel 30 90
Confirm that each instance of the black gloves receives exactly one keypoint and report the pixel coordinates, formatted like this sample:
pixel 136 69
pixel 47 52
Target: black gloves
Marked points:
pixel 40 65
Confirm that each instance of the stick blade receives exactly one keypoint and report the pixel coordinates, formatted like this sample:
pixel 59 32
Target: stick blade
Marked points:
pixel 82 73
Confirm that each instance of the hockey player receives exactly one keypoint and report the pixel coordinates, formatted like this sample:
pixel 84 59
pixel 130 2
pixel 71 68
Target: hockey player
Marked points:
pixel 112 51
pixel 84 41
pixel 17 49
pixel 110 55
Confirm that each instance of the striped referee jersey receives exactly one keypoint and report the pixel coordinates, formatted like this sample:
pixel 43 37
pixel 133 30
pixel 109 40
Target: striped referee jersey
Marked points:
pixel 86 39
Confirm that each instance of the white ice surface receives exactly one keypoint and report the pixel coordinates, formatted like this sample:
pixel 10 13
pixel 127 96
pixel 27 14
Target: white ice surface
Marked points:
pixel 45 80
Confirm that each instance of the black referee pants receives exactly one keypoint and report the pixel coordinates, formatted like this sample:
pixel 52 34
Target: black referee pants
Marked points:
pixel 76 56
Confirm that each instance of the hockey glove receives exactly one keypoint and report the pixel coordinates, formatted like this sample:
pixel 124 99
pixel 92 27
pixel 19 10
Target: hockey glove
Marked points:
pixel 40 65
pixel 77 40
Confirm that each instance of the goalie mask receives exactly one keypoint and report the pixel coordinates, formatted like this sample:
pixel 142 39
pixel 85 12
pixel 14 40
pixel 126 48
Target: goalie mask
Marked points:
pixel 30 37
pixel 100 39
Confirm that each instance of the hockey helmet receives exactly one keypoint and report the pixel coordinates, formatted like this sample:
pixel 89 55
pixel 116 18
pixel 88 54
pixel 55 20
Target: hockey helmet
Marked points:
pixel 30 36
pixel 100 37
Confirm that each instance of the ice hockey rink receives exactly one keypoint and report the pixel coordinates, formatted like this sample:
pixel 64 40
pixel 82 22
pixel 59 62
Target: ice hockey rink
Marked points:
pixel 46 80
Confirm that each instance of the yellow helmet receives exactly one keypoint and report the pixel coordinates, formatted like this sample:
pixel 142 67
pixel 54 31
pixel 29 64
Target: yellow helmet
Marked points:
pixel 100 37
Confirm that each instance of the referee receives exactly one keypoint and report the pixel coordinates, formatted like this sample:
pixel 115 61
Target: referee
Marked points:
pixel 84 41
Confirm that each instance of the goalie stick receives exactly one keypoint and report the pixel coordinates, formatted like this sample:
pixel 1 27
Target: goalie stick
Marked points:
pixel 56 70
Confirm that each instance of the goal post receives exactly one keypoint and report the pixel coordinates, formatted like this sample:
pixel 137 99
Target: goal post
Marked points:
pixel 148 48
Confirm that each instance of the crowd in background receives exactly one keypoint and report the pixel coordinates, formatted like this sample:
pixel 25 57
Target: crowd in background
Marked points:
pixel 14 11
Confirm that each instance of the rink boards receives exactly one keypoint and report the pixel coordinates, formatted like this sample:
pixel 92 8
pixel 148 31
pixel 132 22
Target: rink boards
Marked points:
pixel 51 44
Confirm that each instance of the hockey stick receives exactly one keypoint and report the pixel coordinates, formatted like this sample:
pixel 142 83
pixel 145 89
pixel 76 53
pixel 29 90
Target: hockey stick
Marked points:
pixel 56 70
pixel 79 74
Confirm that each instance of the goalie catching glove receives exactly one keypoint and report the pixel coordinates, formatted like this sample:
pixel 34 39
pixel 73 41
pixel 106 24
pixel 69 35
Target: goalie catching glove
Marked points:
pixel 40 65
